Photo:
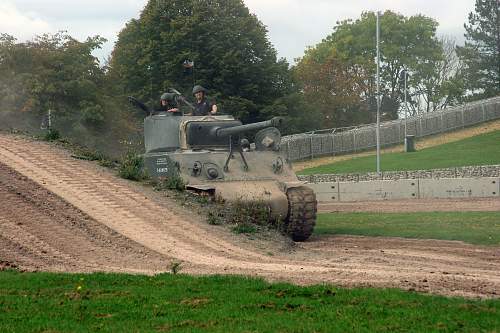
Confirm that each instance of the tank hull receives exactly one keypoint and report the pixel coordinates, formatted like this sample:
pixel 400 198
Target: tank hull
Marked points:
pixel 266 180
pixel 209 156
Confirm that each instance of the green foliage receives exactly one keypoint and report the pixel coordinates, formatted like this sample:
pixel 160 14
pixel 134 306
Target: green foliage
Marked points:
pixel 481 228
pixel 55 72
pixel 481 52
pixel 87 154
pixel 215 217
pixel 58 73
pixel 92 114
pixel 175 267
pixel 478 150
pixel 132 167
pixel 338 74
pixel 52 135
pixel 335 88
pixel 244 229
pixel 244 215
pixel 232 55
pixel 171 183
pixel 300 116
pixel 48 302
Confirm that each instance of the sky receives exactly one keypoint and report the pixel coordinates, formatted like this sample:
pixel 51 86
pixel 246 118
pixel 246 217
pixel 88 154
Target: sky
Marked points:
pixel 293 25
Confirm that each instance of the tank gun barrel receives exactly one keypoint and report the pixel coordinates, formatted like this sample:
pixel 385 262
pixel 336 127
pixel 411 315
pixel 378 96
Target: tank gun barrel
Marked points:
pixel 223 132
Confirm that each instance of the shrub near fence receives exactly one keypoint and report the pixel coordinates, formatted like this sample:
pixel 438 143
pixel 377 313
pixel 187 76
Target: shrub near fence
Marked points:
pixel 347 140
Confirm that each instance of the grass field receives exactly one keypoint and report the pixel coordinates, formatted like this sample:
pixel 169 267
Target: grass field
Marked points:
pixel 45 302
pixel 483 149
pixel 482 228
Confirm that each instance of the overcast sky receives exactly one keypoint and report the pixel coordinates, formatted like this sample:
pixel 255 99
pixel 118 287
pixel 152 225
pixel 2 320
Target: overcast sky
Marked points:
pixel 293 24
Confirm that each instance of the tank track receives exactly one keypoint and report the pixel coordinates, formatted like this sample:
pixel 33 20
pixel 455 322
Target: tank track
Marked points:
pixel 302 207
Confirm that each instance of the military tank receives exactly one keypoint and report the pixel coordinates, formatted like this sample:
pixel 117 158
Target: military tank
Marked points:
pixel 211 155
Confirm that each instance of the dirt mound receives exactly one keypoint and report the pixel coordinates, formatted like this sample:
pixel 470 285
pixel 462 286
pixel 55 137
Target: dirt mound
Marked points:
pixel 41 231
pixel 62 214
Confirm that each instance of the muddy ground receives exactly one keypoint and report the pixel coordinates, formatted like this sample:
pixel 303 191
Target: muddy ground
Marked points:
pixel 61 214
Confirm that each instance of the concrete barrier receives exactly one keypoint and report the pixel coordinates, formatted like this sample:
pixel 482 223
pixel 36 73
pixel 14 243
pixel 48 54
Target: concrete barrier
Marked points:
pixel 378 190
pixel 326 192
pixel 407 189
pixel 459 188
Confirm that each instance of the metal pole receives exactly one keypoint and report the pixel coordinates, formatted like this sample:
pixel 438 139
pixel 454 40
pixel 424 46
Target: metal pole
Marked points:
pixel 194 75
pixel 50 119
pixel 333 142
pixel 288 150
pixel 312 153
pixel 378 93
pixel 406 108
pixel 150 70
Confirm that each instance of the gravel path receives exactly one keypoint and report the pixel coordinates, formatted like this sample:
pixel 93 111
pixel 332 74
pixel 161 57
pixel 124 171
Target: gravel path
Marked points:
pixel 414 205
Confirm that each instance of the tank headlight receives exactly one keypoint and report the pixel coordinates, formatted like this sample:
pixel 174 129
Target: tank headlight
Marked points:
pixel 212 173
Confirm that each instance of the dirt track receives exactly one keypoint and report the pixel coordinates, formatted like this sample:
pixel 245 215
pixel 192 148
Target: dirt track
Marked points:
pixel 62 214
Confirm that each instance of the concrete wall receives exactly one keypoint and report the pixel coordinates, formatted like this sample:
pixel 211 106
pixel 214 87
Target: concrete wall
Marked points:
pixel 407 189
pixel 459 188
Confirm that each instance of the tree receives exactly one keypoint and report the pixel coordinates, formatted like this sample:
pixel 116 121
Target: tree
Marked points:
pixel 407 43
pixel 228 46
pixel 438 84
pixel 54 72
pixel 12 90
pixel 335 84
pixel 481 53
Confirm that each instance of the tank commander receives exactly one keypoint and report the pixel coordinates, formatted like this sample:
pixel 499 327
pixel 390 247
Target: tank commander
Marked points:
pixel 168 103
pixel 202 107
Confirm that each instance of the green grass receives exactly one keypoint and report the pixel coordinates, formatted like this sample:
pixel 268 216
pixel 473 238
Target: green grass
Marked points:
pixel 482 228
pixel 482 149
pixel 45 302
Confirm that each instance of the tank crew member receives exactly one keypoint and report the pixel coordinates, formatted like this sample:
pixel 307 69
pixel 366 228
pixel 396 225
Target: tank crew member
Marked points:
pixel 168 103
pixel 202 106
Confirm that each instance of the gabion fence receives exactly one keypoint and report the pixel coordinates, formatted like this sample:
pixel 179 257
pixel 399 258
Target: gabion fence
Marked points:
pixel 347 140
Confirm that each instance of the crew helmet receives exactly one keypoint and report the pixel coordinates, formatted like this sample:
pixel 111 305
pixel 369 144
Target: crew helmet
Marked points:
pixel 198 88
pixel 169 97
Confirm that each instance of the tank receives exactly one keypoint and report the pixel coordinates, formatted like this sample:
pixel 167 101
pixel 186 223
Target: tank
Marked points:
pixel 212 155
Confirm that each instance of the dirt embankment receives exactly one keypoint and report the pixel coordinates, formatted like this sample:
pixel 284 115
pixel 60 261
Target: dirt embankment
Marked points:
pixel 62 214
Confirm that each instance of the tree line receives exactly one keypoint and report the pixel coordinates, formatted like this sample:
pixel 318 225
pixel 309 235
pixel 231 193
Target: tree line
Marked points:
pixel 219 44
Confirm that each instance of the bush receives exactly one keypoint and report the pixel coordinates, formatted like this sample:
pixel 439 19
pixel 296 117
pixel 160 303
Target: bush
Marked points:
pixel 52 135
pixel 244 215
pixel 171 183
pixel 87 154
pixel 244 229
pixel 131 167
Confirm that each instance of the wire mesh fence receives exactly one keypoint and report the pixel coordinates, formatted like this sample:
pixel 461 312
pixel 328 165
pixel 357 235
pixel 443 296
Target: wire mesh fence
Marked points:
pixel 352 139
